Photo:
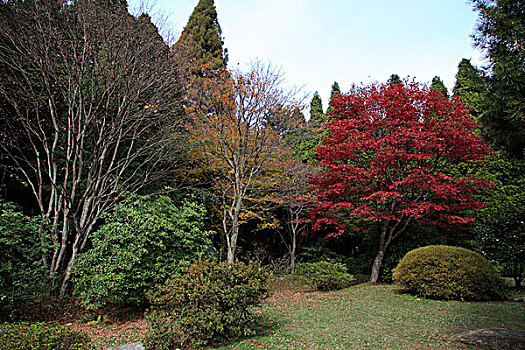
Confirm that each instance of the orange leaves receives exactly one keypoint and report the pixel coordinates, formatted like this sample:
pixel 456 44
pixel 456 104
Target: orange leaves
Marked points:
pixel 238 126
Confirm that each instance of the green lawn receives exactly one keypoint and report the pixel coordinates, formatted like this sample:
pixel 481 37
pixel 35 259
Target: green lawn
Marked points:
pixel 371 317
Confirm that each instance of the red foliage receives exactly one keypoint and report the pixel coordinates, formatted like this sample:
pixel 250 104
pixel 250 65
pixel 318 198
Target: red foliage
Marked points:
pixel 390 158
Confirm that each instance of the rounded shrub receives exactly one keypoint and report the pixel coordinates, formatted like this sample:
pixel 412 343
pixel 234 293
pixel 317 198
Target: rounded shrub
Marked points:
pixel 41 336
pixel 325 275
pixel 449 273
pixel 211 301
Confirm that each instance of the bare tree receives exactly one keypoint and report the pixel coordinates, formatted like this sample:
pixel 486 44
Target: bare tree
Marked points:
pixel 239 134
pixel 296 199
pixel 89 107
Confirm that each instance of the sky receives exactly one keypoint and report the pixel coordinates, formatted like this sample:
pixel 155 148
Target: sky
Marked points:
pixel 317 42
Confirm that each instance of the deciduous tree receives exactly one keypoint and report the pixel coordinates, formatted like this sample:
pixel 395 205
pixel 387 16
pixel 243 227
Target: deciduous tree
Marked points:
pixel 296 200
pixel 89 107
pixel 387 160
pixel 239 134
pixel 500 229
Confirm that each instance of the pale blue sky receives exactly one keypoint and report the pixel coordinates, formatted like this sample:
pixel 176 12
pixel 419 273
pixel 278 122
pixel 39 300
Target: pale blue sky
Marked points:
pixel 317 42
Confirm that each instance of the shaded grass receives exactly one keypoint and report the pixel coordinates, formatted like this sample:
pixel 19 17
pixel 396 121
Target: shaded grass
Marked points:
pixel 371 317
pixel 106 336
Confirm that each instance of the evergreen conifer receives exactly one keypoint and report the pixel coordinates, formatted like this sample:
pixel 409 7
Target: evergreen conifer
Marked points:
pixel 335 91
pixel 469 87
pixel 501 33
pixel 438 85
pixel 201 44
pixel 394 80
pixel 316 110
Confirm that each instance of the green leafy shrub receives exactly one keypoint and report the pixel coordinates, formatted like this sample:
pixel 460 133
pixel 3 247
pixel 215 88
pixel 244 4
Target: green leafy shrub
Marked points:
pixel 325 275
pixel 450 273
pixel 143 241
pixel 21 268
pixel 210 302
pixel 41 336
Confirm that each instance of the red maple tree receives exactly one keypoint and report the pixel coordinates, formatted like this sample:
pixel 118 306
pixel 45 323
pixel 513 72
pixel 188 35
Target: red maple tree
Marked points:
pixel 390 157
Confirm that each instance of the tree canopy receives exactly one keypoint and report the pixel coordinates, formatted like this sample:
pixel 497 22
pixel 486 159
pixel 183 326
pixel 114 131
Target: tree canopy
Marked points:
pixel 387 160
pixel 316 110
pixel 336 91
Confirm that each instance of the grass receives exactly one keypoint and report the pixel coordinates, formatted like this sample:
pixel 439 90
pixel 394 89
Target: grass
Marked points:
pixel 373 317
pixel 361 317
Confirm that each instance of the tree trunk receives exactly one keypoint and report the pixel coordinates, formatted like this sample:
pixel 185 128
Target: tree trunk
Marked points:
pixel 376 267
pixel 231 241
pixel 292 253
pixel 378 261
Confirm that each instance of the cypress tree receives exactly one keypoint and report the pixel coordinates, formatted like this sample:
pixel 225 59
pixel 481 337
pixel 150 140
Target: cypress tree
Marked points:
pixel 469 87
pixel 438 85
pixel 201 44
pixel 335 91
pixel 313 130
pixel 316 110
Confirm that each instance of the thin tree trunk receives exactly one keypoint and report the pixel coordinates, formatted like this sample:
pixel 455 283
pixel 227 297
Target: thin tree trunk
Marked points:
pixel 232 244
pixel 292 254
pixel 378 261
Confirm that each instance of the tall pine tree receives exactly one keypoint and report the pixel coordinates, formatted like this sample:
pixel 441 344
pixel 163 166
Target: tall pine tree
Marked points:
pixel 201 44
pixel 469 87
pixel 438 85
pixel 501 33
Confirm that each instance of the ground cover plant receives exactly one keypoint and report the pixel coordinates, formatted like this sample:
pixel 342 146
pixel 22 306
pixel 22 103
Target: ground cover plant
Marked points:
pixel 41 336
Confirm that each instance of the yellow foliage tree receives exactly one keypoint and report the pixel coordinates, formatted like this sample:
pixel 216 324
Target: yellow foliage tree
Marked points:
pixel 240 123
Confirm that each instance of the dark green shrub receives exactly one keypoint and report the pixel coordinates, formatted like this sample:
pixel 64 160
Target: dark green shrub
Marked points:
pixel 21 268
pixel 143 241
pixel 325 275
pixel 41 336
pixel 210 302
pixel 450 273
pixel 320 252
pixel 502 238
